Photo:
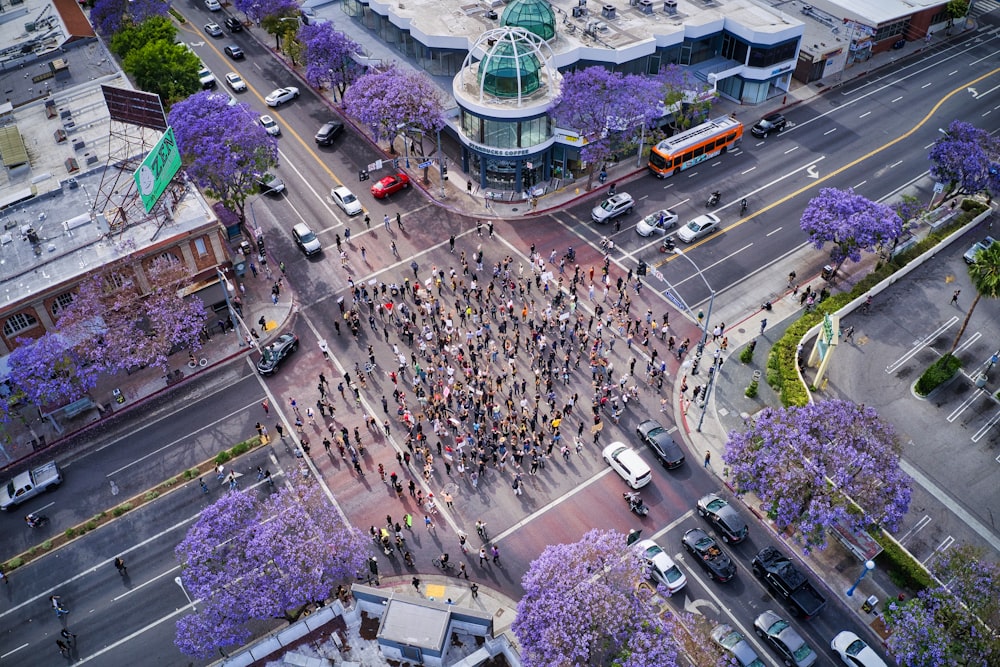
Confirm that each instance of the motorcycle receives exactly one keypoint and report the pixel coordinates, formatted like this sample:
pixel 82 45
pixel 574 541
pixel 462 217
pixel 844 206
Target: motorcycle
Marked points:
pixel 635 504
pixel 36 520
pixel 743 206
pixel 714 199
pixel 668 244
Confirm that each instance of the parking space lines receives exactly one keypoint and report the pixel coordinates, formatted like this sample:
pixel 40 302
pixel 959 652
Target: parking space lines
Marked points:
pixel 976 395
pixel 945 543
pixel 920 344
pixel 986 427
pixel 920 525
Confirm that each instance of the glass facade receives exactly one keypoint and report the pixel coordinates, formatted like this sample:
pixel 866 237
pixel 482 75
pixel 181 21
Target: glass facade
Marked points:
pixel 497 133
pixel 510 69
pixel 533 15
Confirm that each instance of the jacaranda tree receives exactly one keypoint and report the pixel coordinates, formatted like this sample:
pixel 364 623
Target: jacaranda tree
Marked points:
pixel 810 464
pixel 49 371
pixel 851 222
pixel 605 109
pixel 582 606
pixel 967 160
pixel 223 148
pixel 953 625
pixel 328 57
pixel 249 560
pixel 110 16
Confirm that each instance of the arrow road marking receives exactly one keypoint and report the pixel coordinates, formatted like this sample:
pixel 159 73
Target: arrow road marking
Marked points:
pixel 812 171
pixel 691 606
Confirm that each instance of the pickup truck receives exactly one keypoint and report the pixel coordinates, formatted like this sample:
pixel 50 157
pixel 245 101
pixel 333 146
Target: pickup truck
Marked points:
pixel 29 484
pixel 786 583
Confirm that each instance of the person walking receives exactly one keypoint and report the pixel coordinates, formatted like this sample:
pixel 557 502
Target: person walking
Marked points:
pixel 461 571
pixel 416 583
pixel 482 556
pixel 954 297
pixel 451 244
pixel 474 589
pixel 63 648
pixel 428 523
pixel 399 222
pixel 204 487
pixel 120 566
pixel 267 406
pixel 763 325
pixel 385 222
pixel 408 521
pixel 708 458
pixel 495 552
pixel 56 602
pixel 70 637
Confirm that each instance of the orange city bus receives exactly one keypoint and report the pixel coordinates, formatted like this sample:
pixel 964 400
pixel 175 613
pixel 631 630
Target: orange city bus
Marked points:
pixel 688 148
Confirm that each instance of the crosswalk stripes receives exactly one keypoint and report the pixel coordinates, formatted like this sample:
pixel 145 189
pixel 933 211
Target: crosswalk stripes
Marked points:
pixel 980 7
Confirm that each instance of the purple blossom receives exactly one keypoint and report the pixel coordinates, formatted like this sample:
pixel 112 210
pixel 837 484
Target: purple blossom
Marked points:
pixel 967 159
pixel 852 222
pixel 808 463
pixel 328 57
pixel 49 371
pixel 389 99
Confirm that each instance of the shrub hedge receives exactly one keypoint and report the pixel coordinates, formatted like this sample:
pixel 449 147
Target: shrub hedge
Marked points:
pixel 937 374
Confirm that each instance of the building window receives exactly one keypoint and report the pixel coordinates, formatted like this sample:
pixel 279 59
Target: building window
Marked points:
pixel 892 30
pixel 61 303
pixel 200 247
pixel 760 57
pixel 17 323
pixel 500 133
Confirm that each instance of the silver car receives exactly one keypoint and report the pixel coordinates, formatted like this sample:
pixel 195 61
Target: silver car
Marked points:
pixel 784 639
pixel 701 226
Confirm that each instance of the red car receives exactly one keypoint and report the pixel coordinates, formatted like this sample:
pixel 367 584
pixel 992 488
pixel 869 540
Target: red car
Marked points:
pixel 390 184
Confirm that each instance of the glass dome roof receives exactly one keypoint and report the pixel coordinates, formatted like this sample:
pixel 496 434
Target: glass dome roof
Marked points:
pixel 511 68
pixel 533 15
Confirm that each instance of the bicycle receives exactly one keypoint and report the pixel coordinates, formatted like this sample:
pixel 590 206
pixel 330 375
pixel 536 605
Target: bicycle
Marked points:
pixel 445 566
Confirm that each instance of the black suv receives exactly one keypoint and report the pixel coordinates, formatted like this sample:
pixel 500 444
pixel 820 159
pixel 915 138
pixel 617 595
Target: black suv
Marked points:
pixel 328 132
pixel 233 24
pixel 275 353
pixel 774 122
pixel 658 439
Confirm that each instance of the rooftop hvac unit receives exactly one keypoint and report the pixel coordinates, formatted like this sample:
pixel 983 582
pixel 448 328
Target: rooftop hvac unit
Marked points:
pixel 670 6
pixel 579 11
pixel 646 6
pixel 608 11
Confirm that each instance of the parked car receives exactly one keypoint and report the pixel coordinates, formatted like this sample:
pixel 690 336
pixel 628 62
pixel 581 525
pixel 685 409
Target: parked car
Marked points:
pixel 272 355
pixel 306 239
pixel 727 521
pixel 390 184
pixel 628 464
pixel 206 78
pixel 970 254
pixel 666 450
pixel 236 82
pixel 234 51
pixel 346 200
pixel 854 651
pixel 734 644
pixel 659 221
pixel 709 554
pixel 701 226
pixel 612 207
pixel 281 95
pixel 329 131
pixel 213 29
pixel 270 185
pixel 784 639
pixel 233 24
pixel 212 5
pixel 662 568
pixel 270 125
pixel 774 122
pixel 787 583
pixel 29 484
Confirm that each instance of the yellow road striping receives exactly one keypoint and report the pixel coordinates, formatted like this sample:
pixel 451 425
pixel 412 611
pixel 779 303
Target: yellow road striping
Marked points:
pixel 840 170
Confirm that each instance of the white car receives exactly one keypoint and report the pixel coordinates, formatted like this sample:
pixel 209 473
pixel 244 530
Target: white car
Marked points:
pixel 281 95
pixel 662 568
pixel 270 125
pixel 346 200
pixel 212 5
pixel 627 463
pixel 854 651
pixel 701 226
pixel 660 221
pixel 236 82
pixel 213 29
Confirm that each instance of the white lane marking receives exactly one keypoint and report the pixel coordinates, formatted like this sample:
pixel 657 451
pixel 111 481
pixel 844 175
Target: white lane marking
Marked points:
pixel 867 113
pixel 919 345
pixel 775 231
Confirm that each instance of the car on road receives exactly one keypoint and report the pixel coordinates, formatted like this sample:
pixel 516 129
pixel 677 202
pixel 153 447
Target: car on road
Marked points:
pixel 213 29
pixel 329 132
pixel 784 639
pixel 272 355
pixel 236 82
pixel 970 254
pixel 206 78
pixel 281 95
pixel 709 554
pixel 390 184
pixel 346 200
pixel 270 185
pixel 662 568
pixel 660 222
pixel 212 5
pixel 628 464
pixel 270 125
pixel 727 521
pixel 306 239
pixel 233 24
pixel 854 651
pixel 656 437
pixel 234 51
pixel 701 226
pixel 733 643
pixel 774 122
pixel 612 207
pixel 29 484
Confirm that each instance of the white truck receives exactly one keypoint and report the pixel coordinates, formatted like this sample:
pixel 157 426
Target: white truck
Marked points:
pixel 29 484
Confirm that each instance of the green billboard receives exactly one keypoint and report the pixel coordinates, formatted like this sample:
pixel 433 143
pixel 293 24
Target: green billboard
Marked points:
pixel 155 172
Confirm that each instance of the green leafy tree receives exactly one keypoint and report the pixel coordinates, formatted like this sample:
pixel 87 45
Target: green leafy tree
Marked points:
pixel 133 37
pixel 170 70
pixel 688 99
pixel 956 9
pixel 985 275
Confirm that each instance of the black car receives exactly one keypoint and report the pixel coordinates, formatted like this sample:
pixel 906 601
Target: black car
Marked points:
pixel 709 554
pixel 328 132
pixel 774 122
pixel 233 24
pixel 272 355
pixel 234 52
pixel 654 435
pixel 727 521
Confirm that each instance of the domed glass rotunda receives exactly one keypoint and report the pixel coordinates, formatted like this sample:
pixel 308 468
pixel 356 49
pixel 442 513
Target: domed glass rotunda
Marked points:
pixel 535 16
pixel 503 91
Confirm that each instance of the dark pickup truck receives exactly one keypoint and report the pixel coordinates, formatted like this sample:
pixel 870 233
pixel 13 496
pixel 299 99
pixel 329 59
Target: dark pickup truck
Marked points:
pixel 787 583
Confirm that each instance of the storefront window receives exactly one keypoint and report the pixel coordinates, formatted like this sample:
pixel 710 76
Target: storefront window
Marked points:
pixel 472 126
pixel 534 131
pixel 501 174
pixel 500 133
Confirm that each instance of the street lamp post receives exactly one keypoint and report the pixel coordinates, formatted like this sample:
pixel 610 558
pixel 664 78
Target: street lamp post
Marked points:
pixel 869 566
pixel 179 582
pixel 227 289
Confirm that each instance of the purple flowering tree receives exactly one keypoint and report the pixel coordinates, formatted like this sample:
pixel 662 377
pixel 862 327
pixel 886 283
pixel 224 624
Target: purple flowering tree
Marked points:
pixel 941 627
pixel 172 320
pixel 967 159
pixel 852 222
pixel 110 16
pixel 49 371
pixel 605 109
pixel 328 57
pixel 257 10
pixel 581 607
pixel 812 465
pixel 223 146
pixel 251 560
pixel 689 100
pixel 394 98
